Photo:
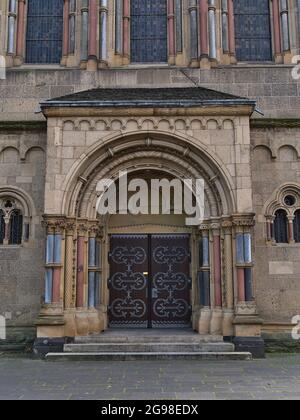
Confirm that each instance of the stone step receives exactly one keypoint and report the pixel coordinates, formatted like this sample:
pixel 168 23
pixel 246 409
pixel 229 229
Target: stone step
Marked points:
pixel 149 347
pixel 151 338
pixel 147 356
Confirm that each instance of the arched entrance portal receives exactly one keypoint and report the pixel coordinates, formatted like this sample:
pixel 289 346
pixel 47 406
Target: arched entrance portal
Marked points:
pixel 215 279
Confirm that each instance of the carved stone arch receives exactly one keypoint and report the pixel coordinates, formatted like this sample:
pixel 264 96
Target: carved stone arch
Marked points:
pixel 137 162
pixel 196 156
pixel 276 201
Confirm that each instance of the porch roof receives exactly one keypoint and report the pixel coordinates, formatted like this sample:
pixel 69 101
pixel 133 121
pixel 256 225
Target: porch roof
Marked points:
pixel 148 98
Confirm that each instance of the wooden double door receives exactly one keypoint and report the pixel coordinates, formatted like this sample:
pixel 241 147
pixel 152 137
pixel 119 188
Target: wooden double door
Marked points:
pixel 149 281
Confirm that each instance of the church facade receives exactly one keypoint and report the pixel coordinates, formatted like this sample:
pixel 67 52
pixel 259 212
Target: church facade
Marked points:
pixel 177 89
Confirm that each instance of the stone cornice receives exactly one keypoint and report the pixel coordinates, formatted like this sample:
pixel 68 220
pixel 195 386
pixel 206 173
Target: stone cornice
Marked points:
pixel 69 111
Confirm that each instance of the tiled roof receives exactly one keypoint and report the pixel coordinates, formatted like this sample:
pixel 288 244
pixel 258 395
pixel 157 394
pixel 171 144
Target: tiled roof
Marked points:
pixel 147 97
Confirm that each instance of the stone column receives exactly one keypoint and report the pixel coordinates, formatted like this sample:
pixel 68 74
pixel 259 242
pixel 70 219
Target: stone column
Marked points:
pixel 20 34
pixel 118 27
pixel 228 310
pixel 247 323
pixel 50 322
pixel 70 279
pixel 171 32
pixel 225 32
pixel 276 30
pixel 72 27
pixel 103 33
pixel 212 30
pixel 92 50
pixel 84 33
pixel 203 39
pixel 231 32
pixel 65 50
pixel 217 313
pixel 193 12
pixel 126 32
pixel 285 25
pixel 204 282
pixel 178 26
pixel 291 234
pixel 81 261
pixel 12 16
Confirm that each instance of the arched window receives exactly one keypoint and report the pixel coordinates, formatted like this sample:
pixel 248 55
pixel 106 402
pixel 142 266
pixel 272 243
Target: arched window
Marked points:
pixel 2 227
pixel 16 228
pixel 11 217
pixel 281 227
pixel 44 31
pixel 252 30
pixel 297 226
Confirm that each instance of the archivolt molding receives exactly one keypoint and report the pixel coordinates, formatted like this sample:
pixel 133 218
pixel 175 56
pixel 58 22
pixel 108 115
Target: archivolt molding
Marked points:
pixel 182 154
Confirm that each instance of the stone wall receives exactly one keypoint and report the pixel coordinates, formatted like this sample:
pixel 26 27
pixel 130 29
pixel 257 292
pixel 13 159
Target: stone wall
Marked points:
pixel 276 92
pixel 275 162
pixel 22 169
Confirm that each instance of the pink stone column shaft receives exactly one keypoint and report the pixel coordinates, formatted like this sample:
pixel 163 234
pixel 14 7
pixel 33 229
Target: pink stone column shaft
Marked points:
pixel 56 285
pixel 66 28
pixel 203 11
pixel 217 271
pixel 276 26
pixel 21 28
pixel 291 230
pixel 80 272
pixel 93 29
pixel 231 29
pixel 126 23
pixel 241 284
pixel 171 28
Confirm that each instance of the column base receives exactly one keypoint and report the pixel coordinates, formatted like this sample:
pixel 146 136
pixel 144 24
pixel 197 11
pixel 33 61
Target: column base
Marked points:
pixel 204 321
pixel 233 59
pixel 278 59
pixel 205 63
pixel 18 61
pixel 216 322
pixel 63 61
pixel 102 64
pixel 227 327
pixel 172 60
pixel 194 63
pixel 92 64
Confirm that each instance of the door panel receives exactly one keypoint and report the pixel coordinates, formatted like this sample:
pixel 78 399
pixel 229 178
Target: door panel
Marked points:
pixel 128 281
pixel 170 261
pixel 149 281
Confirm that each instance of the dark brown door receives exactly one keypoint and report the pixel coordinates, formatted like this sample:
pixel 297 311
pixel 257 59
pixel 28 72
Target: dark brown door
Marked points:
pixel 149 281
pixel 128 282
pixel 170 270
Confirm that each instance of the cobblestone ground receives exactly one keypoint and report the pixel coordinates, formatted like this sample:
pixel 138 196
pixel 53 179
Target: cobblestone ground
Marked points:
pixel 277 377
